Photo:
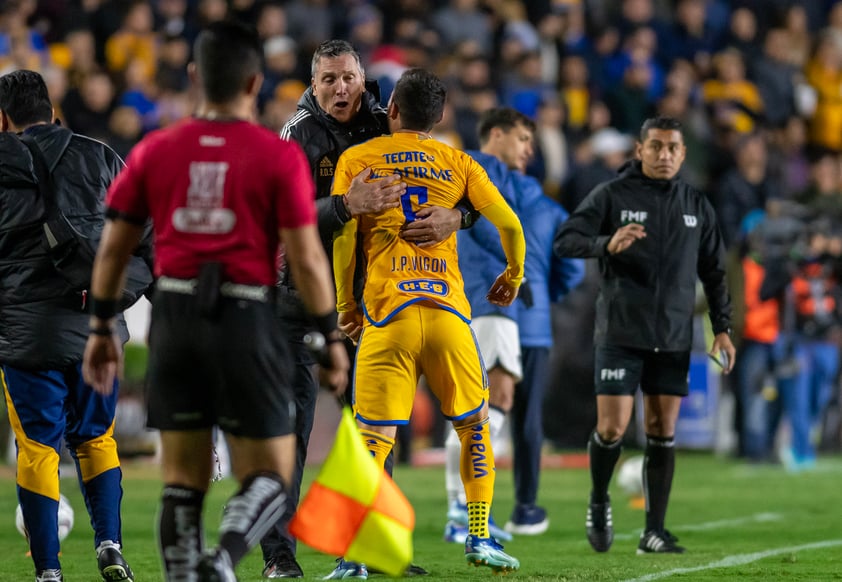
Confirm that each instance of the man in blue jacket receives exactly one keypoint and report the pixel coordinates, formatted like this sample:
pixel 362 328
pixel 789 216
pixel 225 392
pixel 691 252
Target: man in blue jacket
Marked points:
pixel 516 370
pixel 550 279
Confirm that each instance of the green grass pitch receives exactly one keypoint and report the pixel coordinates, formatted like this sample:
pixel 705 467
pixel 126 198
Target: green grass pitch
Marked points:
pixel 737 521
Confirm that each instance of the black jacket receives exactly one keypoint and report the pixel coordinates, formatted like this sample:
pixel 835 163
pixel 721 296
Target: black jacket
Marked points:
pixel 323 140
pixel 42 325
pixel 647 293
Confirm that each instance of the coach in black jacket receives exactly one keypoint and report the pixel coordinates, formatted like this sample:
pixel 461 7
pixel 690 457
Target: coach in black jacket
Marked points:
pixel 653 235
pixel 340 109
pixel 44 327
pixel 324 138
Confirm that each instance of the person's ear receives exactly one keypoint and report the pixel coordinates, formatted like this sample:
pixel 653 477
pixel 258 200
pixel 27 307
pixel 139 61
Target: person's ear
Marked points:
pixel 392 110
pixel 253 84
pixel 193 73
pixel 4 121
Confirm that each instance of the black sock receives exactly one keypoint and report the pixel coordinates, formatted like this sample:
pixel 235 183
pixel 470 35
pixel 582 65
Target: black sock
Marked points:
pixel 180 530
pixel 251 512
pixel 389 465
pixel 658 469
pixel 603 457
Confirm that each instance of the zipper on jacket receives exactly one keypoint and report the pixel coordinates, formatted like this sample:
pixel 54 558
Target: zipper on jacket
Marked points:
pixel 660 261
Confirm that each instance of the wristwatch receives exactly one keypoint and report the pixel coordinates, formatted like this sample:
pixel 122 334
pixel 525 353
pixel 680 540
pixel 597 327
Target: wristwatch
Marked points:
pixel 467 217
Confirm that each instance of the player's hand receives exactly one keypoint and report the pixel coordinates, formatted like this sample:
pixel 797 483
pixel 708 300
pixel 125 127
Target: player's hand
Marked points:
pixel 625 237
pixel 502 292
pixel 333 374
pixel 722 344
pixel 432 225
pixel 366 196
pixel 351 324
pixel 102 362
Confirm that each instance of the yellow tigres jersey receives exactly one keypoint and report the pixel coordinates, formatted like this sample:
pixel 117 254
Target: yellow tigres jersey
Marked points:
pixel 399 273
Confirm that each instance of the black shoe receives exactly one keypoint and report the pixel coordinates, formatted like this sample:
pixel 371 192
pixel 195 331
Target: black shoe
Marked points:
pixel 411 570
pixel 50 575
pixel 215 566
pixel 415 570
pixel 112 565
pixel 282 565
pixel 658 542
pixel 599 526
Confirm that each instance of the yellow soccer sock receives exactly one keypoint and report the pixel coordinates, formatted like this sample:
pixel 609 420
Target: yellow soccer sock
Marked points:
pixel 477 470
pixel 478 512
pixel 379 445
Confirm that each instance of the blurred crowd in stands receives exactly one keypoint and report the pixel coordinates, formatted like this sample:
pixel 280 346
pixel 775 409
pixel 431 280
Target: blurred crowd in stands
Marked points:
pixel 757 83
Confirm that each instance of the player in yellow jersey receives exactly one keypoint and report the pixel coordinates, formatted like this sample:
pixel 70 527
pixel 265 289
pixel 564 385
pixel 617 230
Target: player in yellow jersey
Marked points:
pixel 414 318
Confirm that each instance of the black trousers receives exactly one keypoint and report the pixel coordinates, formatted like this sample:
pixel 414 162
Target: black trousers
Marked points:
pixel 305 391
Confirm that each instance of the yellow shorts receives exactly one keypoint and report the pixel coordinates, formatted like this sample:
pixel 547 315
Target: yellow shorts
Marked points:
pixel 420 339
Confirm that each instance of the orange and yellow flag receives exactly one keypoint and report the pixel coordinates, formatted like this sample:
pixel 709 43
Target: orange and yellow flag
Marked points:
pixel 353 509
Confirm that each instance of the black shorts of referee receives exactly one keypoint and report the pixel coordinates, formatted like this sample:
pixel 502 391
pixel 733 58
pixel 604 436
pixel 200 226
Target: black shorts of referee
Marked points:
pixel 619 370
pixel 232 370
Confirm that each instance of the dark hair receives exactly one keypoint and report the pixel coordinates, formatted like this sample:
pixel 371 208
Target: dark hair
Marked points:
pixel 332 49
pixel 505 118
pixel 660 122
pixel 24 98
pixel 227 54
pixel 420 97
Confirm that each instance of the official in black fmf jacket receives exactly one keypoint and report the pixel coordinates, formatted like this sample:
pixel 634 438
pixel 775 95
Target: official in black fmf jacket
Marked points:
pixel 654 235
pixel 44 328
pixel 339 109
